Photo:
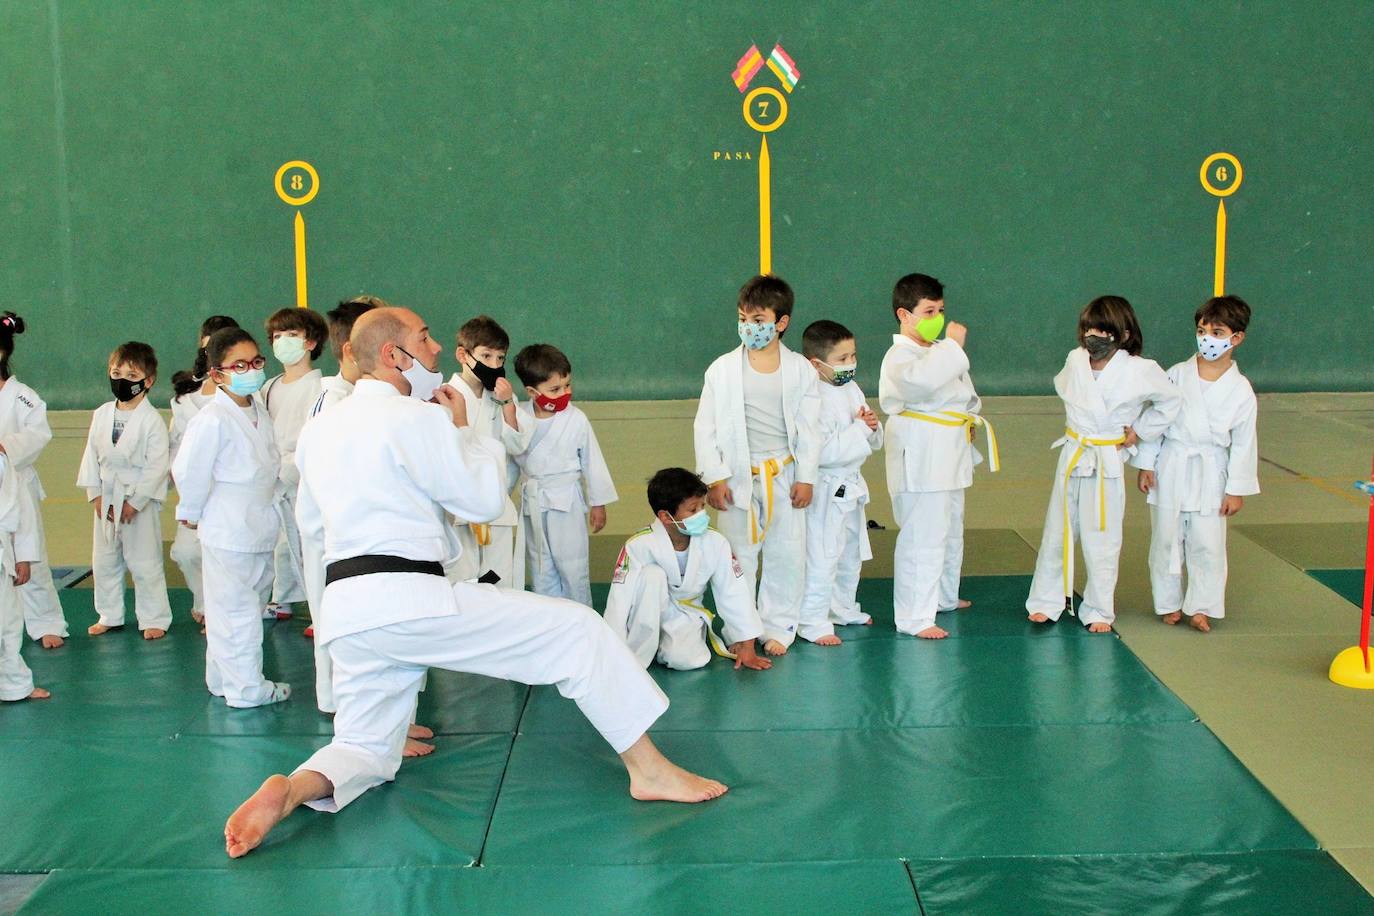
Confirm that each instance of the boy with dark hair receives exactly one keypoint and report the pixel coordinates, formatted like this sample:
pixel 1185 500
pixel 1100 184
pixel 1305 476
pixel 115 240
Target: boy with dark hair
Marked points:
pixel 563 457
pixel 757 446
pixel 836 526
pixel 124 472
pixel 662 574
pixel 1198 474
pixel 334 388
pixel 493 551
pixel 297 336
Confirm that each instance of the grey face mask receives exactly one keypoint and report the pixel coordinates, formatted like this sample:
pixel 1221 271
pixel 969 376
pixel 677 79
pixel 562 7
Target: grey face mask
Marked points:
pixel 1099 347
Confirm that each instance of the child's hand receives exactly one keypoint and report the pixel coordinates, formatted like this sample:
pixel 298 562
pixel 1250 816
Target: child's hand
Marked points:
pixel 1230 505
pixel 1145 481
pixel 189 525
pixel 99 503
pixel 1131 437
pixel 598 518
pixel 720 497
pixel 869 418
pixel 747 657
pixel 503 391
pixel 801 495
pixel 956 332
pixel 21 573
pixel 127 513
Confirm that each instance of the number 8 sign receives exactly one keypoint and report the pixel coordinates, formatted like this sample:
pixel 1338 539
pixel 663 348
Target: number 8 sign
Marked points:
pixel 297 182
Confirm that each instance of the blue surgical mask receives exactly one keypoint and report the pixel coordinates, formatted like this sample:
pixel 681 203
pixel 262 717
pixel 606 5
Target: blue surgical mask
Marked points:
pixel 842 374
pixel 693 525
pixel 757 336
pixel 288 350
pixel 244 384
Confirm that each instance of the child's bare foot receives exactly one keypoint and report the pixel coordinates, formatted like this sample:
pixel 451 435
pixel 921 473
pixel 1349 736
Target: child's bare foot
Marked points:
pixel 95 629
pixel 39 694
pixel 868 622
pixel 1038 617
pixel 202 631
pixel 1173 618
pixel 773 647
pixel 931 633
pixel 415 748
pixel 197 616
pixel 666 781
pixel 256 817
pixel 417 730
pixel 154 633
pixel 1099 627
pixel 51 642
pixel 1199 622
pixel 831 640
pixel 964 604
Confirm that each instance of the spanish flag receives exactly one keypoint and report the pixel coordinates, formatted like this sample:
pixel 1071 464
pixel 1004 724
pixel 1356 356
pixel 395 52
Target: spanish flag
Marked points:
pixel 783 67
pixel 749 65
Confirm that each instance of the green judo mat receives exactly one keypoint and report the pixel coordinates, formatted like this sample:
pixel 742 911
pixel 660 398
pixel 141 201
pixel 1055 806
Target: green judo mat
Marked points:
pixel 1348 583
pixel 1007 769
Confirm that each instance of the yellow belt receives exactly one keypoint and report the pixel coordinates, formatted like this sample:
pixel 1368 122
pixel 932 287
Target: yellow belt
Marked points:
pixel 968 421
pixel 717 644
pixel 1084 443
pixel 482 533
pixel 770 469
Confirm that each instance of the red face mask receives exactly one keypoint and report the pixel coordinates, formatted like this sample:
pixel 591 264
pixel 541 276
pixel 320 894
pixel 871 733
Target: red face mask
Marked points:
pixel 557 404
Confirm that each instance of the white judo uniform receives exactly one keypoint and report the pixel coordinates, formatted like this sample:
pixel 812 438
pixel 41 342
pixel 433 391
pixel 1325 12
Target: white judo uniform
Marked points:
pixel 134 469
pixel 185 550
pixel 655 600
pixel 836 523
pixel 289 405
pixel 497 546
pixel 378 474
pixel 931 407
pixel 1209 452
pixel 762 520
pixel 226 474
pixel 1088 500
pixel 563 455
pixel 24 432
pixel 17 544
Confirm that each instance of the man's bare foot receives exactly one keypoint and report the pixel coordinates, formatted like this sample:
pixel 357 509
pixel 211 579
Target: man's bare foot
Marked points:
pixel 154 633
pixel 747 657
pixel 417 730
pixel 95 629
pixel 654 777
pixel 39 694
pixel 831 640
pixel 256 817
pixel 931 633
pixel 964 604
pixel 415 748
pixel 51 642
pixel 1173 618
pixel 1199 622
pixel 773 647
pixel 1038 617
pixel 1099 627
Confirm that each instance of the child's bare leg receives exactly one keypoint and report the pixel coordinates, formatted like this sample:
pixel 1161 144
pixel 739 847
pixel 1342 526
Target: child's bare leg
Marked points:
pixel 654 777
pixel 1199 622
pixel 1173 618
pixel 419 731
pixel 415 748
pixel 932 633
pixel 275 799
pixel 154 633
pixel 773 647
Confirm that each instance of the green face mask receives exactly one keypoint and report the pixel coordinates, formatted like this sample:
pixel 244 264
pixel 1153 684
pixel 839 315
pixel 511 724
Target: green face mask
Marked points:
pixel 930 328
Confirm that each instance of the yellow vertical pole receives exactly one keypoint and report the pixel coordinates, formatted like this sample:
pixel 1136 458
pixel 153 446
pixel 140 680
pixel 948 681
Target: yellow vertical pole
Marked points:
pixel 765 211
pixel 1219 276
pixel 301 301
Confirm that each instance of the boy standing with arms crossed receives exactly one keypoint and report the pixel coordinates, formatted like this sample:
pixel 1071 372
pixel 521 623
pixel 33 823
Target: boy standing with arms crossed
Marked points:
pixel 757 446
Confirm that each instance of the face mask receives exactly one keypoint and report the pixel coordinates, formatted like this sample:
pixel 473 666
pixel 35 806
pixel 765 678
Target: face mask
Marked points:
pixel 694 525
pixel 930 328
pixel 556 405
pixel 486 374
pixel 1211 347
pixel 245 383
pixel 1099 347
pixel 288 350
pixel 423 382
pixel 125 390
pixel 843 374
pixel 757 336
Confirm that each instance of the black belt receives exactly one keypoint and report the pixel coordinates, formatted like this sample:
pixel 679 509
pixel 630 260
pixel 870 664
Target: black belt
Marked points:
pixel 371 563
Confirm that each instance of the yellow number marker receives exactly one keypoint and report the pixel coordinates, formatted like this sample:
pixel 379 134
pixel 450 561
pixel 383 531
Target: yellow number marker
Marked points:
pixel 302 299
pixel 754 105
pixel 1216 166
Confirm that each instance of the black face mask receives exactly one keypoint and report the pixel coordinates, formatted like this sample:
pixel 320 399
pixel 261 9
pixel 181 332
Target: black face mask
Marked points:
pixel 486 374
pixel 1099 347
pixel 125 390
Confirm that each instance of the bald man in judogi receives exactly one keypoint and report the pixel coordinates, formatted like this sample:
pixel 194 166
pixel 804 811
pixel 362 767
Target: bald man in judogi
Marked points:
pixel 378 474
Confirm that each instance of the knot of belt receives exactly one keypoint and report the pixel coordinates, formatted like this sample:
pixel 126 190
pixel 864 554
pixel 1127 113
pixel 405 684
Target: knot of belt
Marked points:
pixel 969 421
pixel 1084 443
pixel 770 470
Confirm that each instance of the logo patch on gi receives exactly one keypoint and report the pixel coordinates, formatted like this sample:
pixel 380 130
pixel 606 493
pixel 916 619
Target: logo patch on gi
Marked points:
pixel 622 567
pixel 23 400
pixel 734 564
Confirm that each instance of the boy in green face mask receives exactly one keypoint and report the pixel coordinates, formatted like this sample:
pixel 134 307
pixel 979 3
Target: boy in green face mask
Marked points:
pixel 932 411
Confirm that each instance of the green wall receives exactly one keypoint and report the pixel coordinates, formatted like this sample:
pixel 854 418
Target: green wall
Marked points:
pixel 552 164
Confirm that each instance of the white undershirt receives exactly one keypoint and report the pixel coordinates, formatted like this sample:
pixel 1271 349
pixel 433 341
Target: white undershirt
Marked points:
pixel 682 561
pixel 252 412
pixel 117 427
pixel 764 425
pixel 1205 384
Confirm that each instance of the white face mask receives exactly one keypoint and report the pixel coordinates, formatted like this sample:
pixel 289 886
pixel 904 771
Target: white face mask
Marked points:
pixel 423 382
pixel 288 350
pixel 1211 347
